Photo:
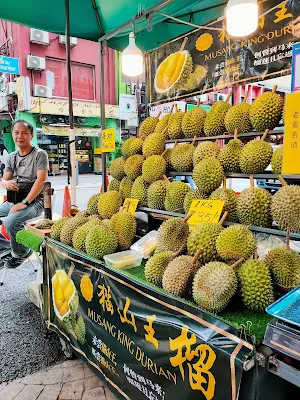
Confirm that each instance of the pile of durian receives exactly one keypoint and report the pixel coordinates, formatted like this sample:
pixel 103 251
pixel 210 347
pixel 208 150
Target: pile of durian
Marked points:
pixel 212 265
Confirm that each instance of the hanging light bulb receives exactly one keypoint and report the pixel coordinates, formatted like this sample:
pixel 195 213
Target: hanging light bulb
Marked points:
pixel 132 58
pixel 241 17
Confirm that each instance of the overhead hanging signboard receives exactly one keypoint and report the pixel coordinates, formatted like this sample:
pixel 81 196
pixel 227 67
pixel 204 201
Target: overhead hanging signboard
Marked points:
pixel 211 60
pixel 9 65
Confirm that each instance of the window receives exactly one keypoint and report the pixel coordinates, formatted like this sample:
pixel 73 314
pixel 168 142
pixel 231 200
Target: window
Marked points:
pixel 83 83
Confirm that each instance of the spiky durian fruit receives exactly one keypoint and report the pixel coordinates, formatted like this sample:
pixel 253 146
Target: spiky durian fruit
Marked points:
pixel 236 242
pixel 139 191
pixel 147 127
pixel 215 121
pixel 175 194
pixel 80 234
pixel 195 194
pixel 208 175
pixel 162 125
pixel 230 198
pixel 167 157
pixel 284 265
pixel 179 274
pixel 124 226
pixel 113 185
pixel 100 241
pixel 157 194
pixel 156 266
pixel 154 144
pixel 109 204
pixel 57 227
pixel 172 235
pixel 68 229
pixel 182 157
pixel 205 150
pixel 174 126
pixel 116 168
pixel 132 146
pixel 92 205
pixel 277 160
pixel 255 156
pixel 125 187
pixel 256 285
pixel 214 285
pixel 80 330
pixel 154 168
pixel 286 208
pixel 133 166
pixel 193 122
pixel 238 117
pixel 254 207
pixel 204 238
pixel 266 111
pixel 229 156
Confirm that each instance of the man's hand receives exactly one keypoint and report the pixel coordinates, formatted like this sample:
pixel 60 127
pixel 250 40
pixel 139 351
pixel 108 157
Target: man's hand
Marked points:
pixel 10 185
pixel 17 207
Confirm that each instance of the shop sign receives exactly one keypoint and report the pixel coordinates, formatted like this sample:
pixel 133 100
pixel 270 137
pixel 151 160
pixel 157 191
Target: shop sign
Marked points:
pixel 143 343
pixel 130 205
pixel 291 145
pixel 9 65
pixel 128 109
pixel 219 60
pixel 205 212
pixel 296 67
pixel 108 143
pixel 64 131
pixel 165 108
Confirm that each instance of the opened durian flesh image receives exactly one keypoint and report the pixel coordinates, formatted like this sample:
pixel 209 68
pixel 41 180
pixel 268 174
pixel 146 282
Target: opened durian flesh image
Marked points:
pixel 64 296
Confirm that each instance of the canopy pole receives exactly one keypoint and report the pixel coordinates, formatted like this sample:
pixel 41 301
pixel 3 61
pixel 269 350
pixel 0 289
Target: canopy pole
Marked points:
pixel 102 48
pixel 72 150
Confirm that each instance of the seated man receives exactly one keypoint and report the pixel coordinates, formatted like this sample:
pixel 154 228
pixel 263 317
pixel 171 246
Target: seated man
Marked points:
pixel 24 176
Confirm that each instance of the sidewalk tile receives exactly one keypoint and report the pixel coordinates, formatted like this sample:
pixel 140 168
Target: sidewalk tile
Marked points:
pixel 71 363
pixel 94 394
pixel 72 391
pixel 34 379
pixel 10 391
pixel 30 392
pixel 93 382
pixel 74 373
pixel 2 385
pixel 87 371
pixel 50 392
pixel 56 366
pixel 53 376
pixel 109 395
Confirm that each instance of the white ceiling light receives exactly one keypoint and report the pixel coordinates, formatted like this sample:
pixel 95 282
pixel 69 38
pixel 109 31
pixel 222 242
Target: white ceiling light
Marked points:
pixel 132 58
pixel 241 17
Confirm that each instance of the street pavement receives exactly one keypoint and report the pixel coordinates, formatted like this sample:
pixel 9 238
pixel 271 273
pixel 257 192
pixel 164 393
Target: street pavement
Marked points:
pixel 69 380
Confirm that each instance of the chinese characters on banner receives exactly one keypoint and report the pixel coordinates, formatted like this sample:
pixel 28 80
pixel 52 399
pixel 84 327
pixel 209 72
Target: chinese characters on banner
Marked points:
pixel 144 344
pixel 220 61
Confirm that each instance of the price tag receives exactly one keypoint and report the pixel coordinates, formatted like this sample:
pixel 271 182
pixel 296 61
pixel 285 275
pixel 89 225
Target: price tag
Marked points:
pixel 108 144
pixel 205 212
pixel 130 205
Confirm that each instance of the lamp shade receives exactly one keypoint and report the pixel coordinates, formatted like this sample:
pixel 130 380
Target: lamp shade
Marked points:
pixel 132 58
pixel 241 17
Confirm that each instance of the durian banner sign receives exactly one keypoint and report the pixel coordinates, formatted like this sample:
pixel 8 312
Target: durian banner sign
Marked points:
pixel 209 60
pixel 144 344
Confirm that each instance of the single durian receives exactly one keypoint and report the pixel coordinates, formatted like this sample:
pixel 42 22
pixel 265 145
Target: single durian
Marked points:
pixel 167 157
pixel 125 187
pixel 277 160
pixel 133 166
pixel 154 168
pixel 116 168
pixel 172 235
pixel 230 198
pixel 182 157
pixel 148 126
pixel 208 175
pixel 214 285
pixel 229 156
pixel 266 111
pixel 124 226
pixel 92 205
pixel 174 126
pixel 100 241
pixel 175 195
pixel 254 206
pixel 236 242
pixel 57 227
pixel 214 124
pixel 179 274
pixel 255 285
pixel 284 265
pixel 256 155
pixel 193 122
pixel 80 330
pixel 205 150
pixel 238 117
pixel 162 126
pixel 113 185
pixel 154 144
pixel 157 194
pixel 131 147
pixel 195 194
pixel 80 234
pixel 70 227
pixel 109 204
pixel 286 207
pixel 139 191
pixel 155 267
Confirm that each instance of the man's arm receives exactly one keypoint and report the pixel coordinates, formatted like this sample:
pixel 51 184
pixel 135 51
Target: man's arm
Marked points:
pixel 8 183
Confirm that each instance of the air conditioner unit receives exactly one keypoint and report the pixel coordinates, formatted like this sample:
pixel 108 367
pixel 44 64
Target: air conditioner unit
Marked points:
pixel 62 40
pixel 39 37
pixel 36 63
pixel 42 91
pixel 11 88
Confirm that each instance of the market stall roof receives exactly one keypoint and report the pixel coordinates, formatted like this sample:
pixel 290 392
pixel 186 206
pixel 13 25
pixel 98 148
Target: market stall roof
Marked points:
pixel 91 19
